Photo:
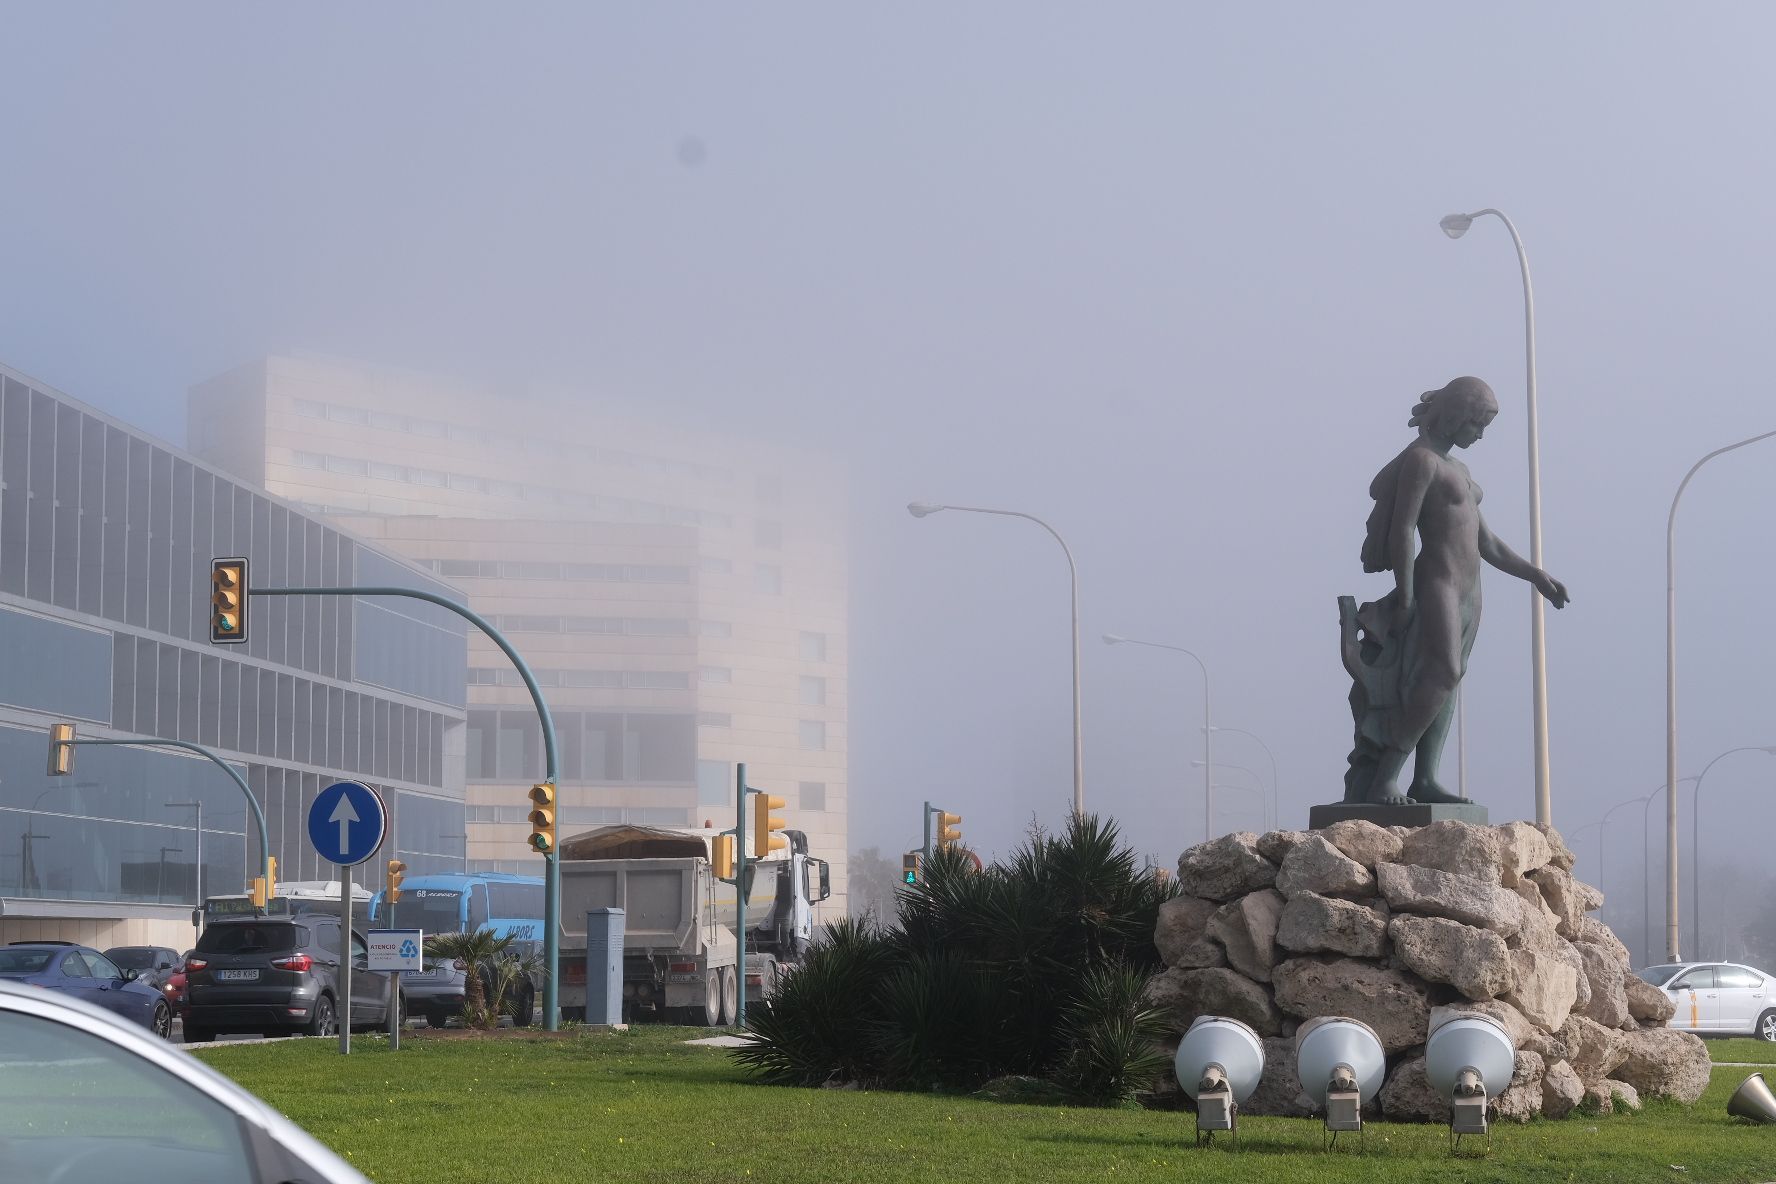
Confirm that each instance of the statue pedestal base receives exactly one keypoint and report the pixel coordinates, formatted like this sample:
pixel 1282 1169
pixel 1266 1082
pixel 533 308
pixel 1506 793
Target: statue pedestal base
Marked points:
pixel 1411 814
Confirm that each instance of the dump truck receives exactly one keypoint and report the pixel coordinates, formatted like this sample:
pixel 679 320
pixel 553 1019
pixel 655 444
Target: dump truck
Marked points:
pixel 680 952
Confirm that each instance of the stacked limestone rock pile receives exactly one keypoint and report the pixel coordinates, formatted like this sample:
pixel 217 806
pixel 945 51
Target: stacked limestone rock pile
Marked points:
pixel 1393 925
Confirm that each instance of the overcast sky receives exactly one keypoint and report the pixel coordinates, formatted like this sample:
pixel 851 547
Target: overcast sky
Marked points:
pixel 1168 276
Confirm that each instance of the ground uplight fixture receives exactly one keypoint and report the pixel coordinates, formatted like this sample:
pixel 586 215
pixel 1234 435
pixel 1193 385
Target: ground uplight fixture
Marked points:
pixel 1219 1063
pixel 1341 1065
pixel 1469 1059
pixel 1456 225
pixel 1753 1100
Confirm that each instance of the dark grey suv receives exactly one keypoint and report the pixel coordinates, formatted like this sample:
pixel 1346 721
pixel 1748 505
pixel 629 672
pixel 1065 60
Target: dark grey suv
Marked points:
pixel 278 976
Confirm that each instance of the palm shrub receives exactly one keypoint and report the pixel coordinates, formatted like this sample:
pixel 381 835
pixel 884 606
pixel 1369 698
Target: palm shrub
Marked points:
pixel 479 951
pixel 1032 968
pixel 823 1022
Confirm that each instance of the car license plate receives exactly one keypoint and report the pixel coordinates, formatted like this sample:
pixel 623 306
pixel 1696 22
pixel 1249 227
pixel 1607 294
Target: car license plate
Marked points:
pixel 236 976
pixel 681 978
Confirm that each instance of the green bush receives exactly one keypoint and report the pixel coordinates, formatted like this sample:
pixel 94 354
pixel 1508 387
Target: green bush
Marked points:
pixel 1032 968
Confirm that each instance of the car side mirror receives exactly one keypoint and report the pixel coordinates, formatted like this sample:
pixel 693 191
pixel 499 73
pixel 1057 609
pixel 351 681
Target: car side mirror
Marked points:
pixel 128 976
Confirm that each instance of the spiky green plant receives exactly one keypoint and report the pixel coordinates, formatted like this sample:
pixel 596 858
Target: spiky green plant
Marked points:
pixel 824 1021
pixel 1113 1038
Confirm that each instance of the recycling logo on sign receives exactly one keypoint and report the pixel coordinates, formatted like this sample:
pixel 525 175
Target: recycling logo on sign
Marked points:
pixel 408 949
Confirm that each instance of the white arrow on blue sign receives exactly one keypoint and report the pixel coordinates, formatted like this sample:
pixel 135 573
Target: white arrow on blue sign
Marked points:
pixel 347 823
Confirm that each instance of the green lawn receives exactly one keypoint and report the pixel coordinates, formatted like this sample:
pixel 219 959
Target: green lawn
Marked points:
pixel 641 1106
pixel 1742 1048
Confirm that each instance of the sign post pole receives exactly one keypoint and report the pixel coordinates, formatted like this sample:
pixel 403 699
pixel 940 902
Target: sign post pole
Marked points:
pixel 345 960
pixel 346 825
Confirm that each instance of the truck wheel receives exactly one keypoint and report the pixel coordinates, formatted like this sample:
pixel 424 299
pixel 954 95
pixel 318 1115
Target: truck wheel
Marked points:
pixel 730 996
pixel 710 1014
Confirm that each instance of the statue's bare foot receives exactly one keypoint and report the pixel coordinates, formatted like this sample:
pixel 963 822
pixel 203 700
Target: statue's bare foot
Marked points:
pixel 1430 793
pixel 1388 794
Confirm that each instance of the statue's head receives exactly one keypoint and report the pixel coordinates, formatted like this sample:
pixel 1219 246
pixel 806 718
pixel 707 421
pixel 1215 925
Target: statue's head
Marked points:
pixel 1458 412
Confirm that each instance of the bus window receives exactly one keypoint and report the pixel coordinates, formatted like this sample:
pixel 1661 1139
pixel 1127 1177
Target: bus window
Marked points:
pixel 477 907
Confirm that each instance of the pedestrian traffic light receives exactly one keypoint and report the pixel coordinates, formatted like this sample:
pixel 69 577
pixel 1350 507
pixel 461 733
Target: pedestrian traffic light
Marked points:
pixel 397 871
pixel 949 828
pixel 228 600
pixel 722 855
pixel 542 818
pixel 61 749
pixel 909 867
pixel 765 825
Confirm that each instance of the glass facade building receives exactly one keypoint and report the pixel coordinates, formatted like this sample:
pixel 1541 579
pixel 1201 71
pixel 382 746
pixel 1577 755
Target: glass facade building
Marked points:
pixel 106 538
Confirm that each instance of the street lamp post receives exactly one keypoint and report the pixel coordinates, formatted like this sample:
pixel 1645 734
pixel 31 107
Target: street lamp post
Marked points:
pixel 1456 225
pixel 925 509
pixel 1276 788
pixel 1257 779
pixel 1207 725
pixel 1646 864
pixel 1696 844
pixel 1671 935
pixel 197 827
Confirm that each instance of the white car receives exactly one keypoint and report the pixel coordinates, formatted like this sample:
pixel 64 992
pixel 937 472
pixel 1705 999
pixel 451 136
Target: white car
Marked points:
pixel 1718 998
pixel 87 1099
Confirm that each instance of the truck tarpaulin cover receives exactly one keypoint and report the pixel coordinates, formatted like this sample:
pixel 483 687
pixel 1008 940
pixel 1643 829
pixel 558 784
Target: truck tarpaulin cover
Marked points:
pixel 634 842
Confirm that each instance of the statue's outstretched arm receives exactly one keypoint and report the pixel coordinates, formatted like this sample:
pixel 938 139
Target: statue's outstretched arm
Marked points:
pixel 1495 552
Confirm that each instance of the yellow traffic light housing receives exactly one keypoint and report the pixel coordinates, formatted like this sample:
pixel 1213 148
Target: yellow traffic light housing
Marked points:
pixel 228 601
pixel 949 828
pixel 721 854
pixel 263 888
pixel 397 871
pixel 61 749
pixel 542 818
pixel 909 868
pixel 765 825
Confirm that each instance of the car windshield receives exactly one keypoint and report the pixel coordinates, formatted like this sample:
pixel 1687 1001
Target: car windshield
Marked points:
pixel 1659 975
pixel 257 938
pixel 132 957
pixel 22 962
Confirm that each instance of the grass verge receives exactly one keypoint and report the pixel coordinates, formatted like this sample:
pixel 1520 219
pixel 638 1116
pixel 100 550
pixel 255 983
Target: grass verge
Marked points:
pixel 1743 1049
pixel 642 1106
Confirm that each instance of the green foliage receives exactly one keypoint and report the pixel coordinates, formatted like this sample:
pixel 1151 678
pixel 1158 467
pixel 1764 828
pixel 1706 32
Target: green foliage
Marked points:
pixel 1031 968
pixel 1113 1050
pixel 479 952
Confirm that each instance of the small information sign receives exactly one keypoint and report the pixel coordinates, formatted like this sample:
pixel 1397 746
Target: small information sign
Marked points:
pixel 396 949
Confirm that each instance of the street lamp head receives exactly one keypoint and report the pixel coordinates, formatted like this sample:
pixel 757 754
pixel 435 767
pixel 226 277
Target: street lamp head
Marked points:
pixel 921 509
pixel 1456 225
pixel 1114 639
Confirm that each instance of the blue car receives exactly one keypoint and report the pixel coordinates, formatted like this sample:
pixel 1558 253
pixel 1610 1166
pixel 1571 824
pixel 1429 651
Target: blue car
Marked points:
pixel 87 975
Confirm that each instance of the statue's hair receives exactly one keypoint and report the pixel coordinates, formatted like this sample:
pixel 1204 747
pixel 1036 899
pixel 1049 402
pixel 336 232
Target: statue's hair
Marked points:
pixel 1461 396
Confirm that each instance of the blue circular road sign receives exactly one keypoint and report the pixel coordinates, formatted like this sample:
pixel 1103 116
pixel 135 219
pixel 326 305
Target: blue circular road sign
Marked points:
pixel 347 823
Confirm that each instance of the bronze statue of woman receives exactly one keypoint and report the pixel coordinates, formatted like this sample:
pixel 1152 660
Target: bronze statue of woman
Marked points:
pixel 1407 652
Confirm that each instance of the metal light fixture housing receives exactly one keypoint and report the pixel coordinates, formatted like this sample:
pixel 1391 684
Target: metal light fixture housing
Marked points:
pixel 1753 1100
pixel 923 509
pixel 1218 1063
pixel 1342 1065
pixel 1469 1058
pixel 1456 225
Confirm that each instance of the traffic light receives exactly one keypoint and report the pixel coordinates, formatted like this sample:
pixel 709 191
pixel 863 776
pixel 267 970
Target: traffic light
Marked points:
pixel 228 600
pixel 61 749
pixel 542 818
pixel 909 868
pixel 722 855
pixel 765 825
pixel 264 888
pixel 949 828
pixel 397 871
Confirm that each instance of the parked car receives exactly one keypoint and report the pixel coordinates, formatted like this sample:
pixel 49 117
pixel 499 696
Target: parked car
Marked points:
pixel 1718 998
pixel 174 987
pixel 153 964
pixel 279 977
pixel 85 1069
pixel 438 991
pixel 83 973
